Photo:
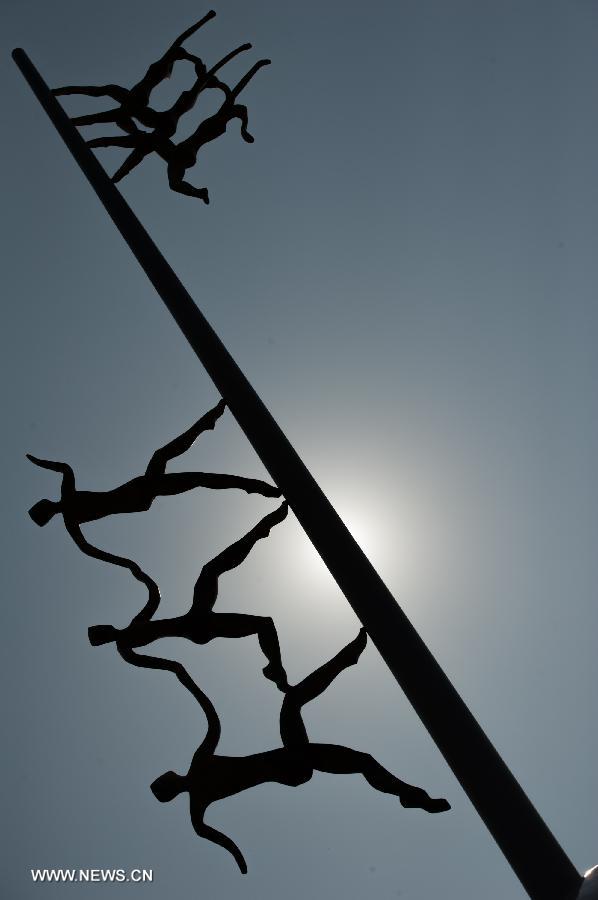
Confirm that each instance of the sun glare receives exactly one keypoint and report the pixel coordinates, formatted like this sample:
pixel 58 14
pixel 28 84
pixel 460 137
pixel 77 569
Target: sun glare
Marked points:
pixel 383 542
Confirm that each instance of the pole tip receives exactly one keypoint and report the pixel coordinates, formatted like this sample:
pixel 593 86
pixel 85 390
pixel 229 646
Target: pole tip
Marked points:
pixel 18 51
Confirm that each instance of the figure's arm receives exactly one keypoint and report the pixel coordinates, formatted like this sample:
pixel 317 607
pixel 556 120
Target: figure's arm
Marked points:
pixel 68 476
pixel 203 132
pixel 120 118
pixel 108 115
pixel 114 91
pixel 217 837
pixel 205 79
pixel 187 34
pixel 242 84
pixel 225 59
pixel 142 660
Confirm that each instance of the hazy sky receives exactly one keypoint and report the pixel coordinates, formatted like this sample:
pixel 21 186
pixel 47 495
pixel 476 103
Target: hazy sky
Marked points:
pixel 404 264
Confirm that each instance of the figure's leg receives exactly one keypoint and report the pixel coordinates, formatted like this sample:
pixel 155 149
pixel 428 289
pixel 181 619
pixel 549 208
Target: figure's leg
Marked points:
pixel 109 115
pixel 115 91
pixel 116 115
pixel 205 591
pixel 122 140
pixel 130 163
pixel 74 531
pixel 180 482
pixel 223 840
pixel 186 188
pixel 317 682
pixel 178 184
pixel 157 464
pixel 292 729
pixel 342 760
pixel 235 625
pixel 238 552
pixel 238 625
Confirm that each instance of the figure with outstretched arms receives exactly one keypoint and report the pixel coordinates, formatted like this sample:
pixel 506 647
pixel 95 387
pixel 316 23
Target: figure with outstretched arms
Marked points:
pixel 164 123
pixel 138 494
pixel 134 102
pixel 212 777
pixel 208 745
pixel 183 155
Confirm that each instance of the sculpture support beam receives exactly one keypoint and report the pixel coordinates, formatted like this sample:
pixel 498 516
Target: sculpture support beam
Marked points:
pixel 537 859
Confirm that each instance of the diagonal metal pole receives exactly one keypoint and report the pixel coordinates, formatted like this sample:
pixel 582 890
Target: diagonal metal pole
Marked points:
pixel 537 859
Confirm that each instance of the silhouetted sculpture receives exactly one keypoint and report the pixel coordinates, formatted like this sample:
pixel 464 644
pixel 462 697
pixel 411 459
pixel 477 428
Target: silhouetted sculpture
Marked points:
pixel 134 102
pixel 138 494
pixel 201 624
pixel 211 777
pixel 164 123
pixel 182 156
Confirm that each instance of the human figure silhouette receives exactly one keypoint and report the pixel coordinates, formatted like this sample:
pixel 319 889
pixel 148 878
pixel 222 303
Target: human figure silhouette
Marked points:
pixel 164 123
pixel 201 624
pixel 212 777
pixel 182 156
pixel 138 494
pixel 134 102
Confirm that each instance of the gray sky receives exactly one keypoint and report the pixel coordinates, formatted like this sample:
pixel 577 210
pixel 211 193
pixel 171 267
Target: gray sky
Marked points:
pixel 404 264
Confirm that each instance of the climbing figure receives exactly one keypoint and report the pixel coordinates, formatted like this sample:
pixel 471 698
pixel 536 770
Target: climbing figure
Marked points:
pixel 182 156
pixel 212 777
pixel 134 102
pixel 201 624
pixel 164 123
pixel 139 493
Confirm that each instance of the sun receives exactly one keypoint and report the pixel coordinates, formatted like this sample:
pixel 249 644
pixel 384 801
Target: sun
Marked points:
pixel 384 541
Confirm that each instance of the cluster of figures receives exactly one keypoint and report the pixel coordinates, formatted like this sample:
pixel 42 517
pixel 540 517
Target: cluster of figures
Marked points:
pixel 212 777
pixel 134 109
